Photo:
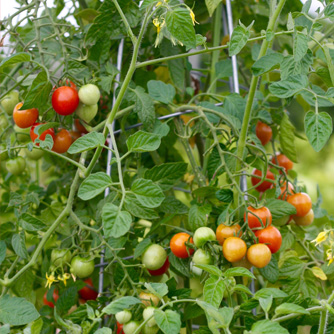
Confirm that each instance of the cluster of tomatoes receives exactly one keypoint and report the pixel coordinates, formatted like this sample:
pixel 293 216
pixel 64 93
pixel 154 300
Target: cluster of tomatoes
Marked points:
pixel 65 101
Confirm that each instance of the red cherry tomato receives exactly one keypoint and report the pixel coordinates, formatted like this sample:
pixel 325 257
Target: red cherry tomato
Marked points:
pixel 88 292
pixel 263 132
pixel 282 161
pixel 265 185
pixel 55 297
pixel 119 328
pixel 302 202
pixel 65 100
pixel 270 236
pixel 161 270
pixel 259 255
pixel 24 118
pixel 34 136
pixel 263 213
pixel 178 246
pixel 62 141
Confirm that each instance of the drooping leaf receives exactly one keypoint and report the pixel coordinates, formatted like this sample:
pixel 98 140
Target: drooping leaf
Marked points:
pixel 87 142
pixel 147 193
pixel 94 185
pixel 168 321
pixel 143 142
pixel 160 91
pixel 121 304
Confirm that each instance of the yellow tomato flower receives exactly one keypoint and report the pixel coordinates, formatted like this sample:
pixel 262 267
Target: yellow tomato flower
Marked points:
pixel 322 236
pixel 157 24
pixel 192 15
pixel 50 279
pixel 330 256
pixel 188 178
pixel 64 277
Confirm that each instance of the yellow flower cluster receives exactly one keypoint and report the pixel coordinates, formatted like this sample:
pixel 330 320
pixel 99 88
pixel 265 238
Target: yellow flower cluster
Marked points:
pixel 52 279
pixel 326 235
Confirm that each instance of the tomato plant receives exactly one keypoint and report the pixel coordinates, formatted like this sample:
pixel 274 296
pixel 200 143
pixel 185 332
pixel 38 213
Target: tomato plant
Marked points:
pixel 163 159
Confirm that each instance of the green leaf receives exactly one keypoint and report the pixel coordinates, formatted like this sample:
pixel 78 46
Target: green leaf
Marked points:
pixel 19 246
pixel 166 175
pixel 143 142
pixel 67 299
pixel 115 222
pixel 271 271
pixel 141 247
pixel 213 270
pixel 242 288
pixel 287 138
pixel 239 39
pixel 289 87
pixel 300 45
pixel 238 271
pixel 144 106
pixel 160 91
pixel 148 193
pixel 266 303
pixel 318 128
pixel 290 67
pixel 267 326
pixel 94 185
pixel 214 290
pixel 288 308
pixel 31 223
pixel 267 63
pixel 2 251
pixel 180 25
pixel 180 266
pixel 5 329
pixel 158 289
pixel 169 321
pixel 39 92
pixel 224 68
pixel 103 330
pixel 87 142
pixel 279 208
pixel 198 215
pixel 16 311
pixel 211 5
pixel 292 267
pixel 19 57
pixel 171 205
pixel 132 205
pixel 329 11
pixel 120 305
pixel 266 292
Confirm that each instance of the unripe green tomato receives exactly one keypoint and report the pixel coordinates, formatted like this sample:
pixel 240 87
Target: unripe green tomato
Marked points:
pixel 148 312
pixel 123 317
pixel 130 327
pixel 154 257
pixel 195 270
pixel 202 235
pixel 82 267
pixel 60 257
pixel 89 94
pixel 4 154
pixel 10 101
pixel 22 135
pixel 150 330
pixel 35 154
pixel 202 257
pixel 3 122
pixel 16 166
pixel 196 287
pixel 86 112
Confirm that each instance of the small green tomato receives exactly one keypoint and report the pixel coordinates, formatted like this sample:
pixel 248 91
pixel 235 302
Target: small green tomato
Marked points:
pixel 89 94
pixel 154 257
pixel 16 166
pixel 150 330
pixel 86 112
pixel 60 257
pixel 130 327
pixel 123 316
pixel 35 154
pixel 202 235
pixel 202 257
pixel 10 101
pixel 149 313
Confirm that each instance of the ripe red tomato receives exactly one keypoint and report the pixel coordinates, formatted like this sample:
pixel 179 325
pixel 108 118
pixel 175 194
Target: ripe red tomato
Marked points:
pixel 223 232
pixel 55 297
pixel 161 270
pixel 79 126
pixel 62 141
pixel 88 292
pixel 178 247
pixel 265 185
pixel 119 328
pixel 234 249
pixel 259 255
pixel 34 136
pixel 263 213
pixel 285 192
pixel 65 100
pixel 75 135
pixel 68 83
pixel 302 202
pixel 305 220
pixel 263 132
pixel 270 236
pixel 24 118
pixel 282 161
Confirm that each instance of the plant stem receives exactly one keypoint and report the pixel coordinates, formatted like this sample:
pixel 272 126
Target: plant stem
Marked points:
pixel 248 110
